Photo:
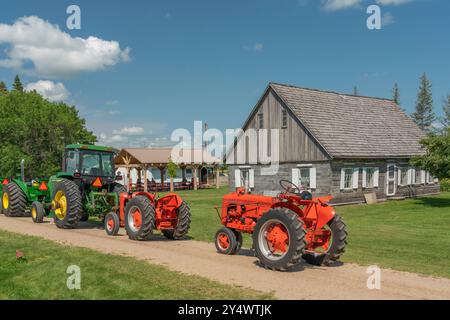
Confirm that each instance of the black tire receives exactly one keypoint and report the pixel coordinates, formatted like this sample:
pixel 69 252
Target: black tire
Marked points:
pixel 112 224
pixel 183 224
pixel 84 217
pixel 239 241
pixel 147 211
pixel 339 242
pixel 225 241
pixel 17 201
pixel 74 205
pixel 37 212
pixel 296 238
pixel 119 188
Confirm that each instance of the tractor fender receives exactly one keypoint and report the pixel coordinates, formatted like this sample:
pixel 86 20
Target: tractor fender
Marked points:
pixel 325 214
pixel 290 206
pixel 172 200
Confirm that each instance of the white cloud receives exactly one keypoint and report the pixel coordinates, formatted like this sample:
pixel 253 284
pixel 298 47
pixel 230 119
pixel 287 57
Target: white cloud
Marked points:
pixel 114 112
pixel 54 53
pixel 387 19
pixel 49 90
pixel 112 102
pixel 334 5
pixel 257 47
pixel 392 2
pixel 129 131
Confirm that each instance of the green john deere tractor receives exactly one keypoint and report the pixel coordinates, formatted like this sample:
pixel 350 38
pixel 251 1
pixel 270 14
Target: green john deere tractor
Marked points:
pixel 86 186
pixel 18 195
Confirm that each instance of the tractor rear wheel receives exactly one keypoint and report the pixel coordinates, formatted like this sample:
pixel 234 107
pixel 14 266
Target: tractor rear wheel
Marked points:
pixel 279 239
pixel 225 241
pixel 239 241
pixel 139 218
pixel 14 201
pixel 183 223
pixel 118 188
pixel 37 212
pixel 67 205
pixel 112 224
pixel 334 248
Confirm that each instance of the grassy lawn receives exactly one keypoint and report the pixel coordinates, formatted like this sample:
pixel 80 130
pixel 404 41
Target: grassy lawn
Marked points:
pixel 43 275
pixel 411 235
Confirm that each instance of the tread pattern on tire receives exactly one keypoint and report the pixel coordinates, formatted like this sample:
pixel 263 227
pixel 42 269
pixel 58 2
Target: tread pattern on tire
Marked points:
pixel 148 218
pixel 40 212
pixel 342 235
pixel 17 201
pixel 74 207
pixel 183 223
pixel 299 239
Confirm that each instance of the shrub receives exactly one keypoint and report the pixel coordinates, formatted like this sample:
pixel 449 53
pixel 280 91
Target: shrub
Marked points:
pixel 445 184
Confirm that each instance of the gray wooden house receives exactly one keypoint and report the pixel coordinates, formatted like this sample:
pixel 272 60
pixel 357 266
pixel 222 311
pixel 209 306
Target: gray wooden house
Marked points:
pixel 332 143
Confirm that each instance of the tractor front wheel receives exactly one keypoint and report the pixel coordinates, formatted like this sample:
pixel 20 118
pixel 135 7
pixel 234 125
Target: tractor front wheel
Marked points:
pixel 139 218
pixel 67 205
pixel 112 224
pixel 334 246
pixel 279 239
pixel 37 212
pixel 226 241
pixel 14 200
pixel 183 223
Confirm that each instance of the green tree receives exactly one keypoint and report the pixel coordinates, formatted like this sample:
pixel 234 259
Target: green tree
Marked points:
pixel 172 172
pixel 3 88
pixel 437 157
pixel 37 130
pixel 424 115
pixel 446 117
pixel 17 85
pixel 396 94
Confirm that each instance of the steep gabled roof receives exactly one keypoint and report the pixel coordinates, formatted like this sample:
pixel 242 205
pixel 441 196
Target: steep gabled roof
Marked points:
pixel 349 126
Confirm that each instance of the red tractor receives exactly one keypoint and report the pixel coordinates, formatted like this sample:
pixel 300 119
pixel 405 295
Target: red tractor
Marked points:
pixel 142 212
pixel 285 228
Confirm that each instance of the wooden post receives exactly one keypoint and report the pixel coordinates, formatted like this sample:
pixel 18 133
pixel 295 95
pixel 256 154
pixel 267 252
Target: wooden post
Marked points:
pixel 145 179
pixel 194 176
pixel 217 177
pixel 162 169
pixel 183 173
pixel 128 179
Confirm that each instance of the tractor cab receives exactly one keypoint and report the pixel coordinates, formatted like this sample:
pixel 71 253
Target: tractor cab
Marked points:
pixel 89 163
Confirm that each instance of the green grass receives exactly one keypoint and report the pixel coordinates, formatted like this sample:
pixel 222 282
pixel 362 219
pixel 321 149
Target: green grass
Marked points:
pixel 411 235
pixel 43 275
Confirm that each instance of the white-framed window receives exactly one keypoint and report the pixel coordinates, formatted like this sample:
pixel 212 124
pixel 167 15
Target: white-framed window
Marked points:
pixel 244 177
pixel 370 178
pixel 284 119
pixel 304 176
pixel 349 178
pixel 260 120
pixel 417 176
pixel 429 178
pixel 403 176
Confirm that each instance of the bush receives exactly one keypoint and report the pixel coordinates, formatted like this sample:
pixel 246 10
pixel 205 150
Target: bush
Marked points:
pixel 445 184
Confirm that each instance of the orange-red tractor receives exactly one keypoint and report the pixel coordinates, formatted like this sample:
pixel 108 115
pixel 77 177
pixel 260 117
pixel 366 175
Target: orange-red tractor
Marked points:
pixel 285 228
pixel 142 212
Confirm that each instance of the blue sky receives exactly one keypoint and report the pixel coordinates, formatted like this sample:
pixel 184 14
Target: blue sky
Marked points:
pixel 211 60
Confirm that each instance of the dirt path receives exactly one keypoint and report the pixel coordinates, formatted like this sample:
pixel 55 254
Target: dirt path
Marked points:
pixel 193 257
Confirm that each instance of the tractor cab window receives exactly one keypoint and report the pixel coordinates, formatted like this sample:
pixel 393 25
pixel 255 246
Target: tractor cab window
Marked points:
pixel 72 161
pixel 97 164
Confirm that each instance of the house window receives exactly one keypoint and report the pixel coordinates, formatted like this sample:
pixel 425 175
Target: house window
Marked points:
pixel 284 119
pixel 369 177
pixel 305 178
pixel 418 176
pixel 260 120
pixel 348 179
pixel 403 176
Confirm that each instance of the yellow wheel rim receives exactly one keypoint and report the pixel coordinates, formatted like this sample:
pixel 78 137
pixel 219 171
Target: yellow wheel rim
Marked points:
pixel 60 202
pixel 5 201
pixel 33 213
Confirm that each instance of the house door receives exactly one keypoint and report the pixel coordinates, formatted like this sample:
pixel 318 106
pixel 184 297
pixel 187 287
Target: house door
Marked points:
pixel 391 179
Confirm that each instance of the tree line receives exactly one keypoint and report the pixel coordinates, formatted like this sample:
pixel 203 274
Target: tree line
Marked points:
pixel 36 130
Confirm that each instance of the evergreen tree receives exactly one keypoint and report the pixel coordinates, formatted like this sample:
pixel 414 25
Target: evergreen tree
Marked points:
pixel 3 88
pixel 355 91
pixel 446 118
pixel 424 115
pixel 17 85
pixel 396 94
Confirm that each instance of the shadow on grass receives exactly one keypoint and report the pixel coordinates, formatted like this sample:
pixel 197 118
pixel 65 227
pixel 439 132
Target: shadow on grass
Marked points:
pixel 434 202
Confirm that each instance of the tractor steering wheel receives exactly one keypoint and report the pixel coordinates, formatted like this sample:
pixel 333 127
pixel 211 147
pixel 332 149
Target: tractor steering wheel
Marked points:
pixel 289 187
